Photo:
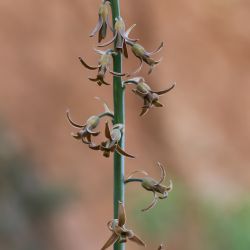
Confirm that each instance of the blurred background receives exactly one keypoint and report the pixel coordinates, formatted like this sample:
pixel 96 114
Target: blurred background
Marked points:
pixel 57 194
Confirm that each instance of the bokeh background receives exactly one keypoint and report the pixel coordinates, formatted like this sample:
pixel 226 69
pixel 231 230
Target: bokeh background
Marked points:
pixel 56 194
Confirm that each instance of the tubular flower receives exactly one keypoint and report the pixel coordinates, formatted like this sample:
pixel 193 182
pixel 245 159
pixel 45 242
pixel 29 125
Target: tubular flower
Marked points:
pixel 121 36
pixel 103 66
pixel 160 191
pixel 119 232
pixel 103 21
pixel 112 144
pixel 145 56
pixel 151 98
pixel 86 130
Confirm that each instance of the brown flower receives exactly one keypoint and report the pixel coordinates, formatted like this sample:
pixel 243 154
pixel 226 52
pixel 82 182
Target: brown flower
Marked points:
pixel 151 98
pixel 145 56
pixel 121 36
pixel 112 144
pixel 119 232
pixel 86 130
pixel 160 191
pixel 103 21
pixel 103 66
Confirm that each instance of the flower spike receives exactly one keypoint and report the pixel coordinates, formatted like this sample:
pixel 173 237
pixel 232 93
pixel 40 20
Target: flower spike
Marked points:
pixel 103 66
pixel 150 97
pixel 119 232
pixel 121 36
pixel 145 56
pixel 103 21
pixel 112 143
pixel 159 191
pixel 86 130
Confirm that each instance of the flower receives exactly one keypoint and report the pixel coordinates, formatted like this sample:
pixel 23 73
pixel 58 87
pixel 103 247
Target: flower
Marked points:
pixel 145 56
pixel 86 130
pixel 103 21
pixel 160 191
pixel 151 98
pixel 112 144
pixel 121 36
pixel 119 232
pixel 103 66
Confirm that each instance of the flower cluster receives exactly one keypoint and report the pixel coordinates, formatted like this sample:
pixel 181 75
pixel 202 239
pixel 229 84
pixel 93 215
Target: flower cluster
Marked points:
pixel 150 97
pixel 112 143
pixel 121 39
pixel 150 184
pixel 119 232
pixel 103 66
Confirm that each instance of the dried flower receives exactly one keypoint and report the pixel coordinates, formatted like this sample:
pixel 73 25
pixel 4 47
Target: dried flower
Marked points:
pixel 151 98
pixel 103 21
pixel 86 130
pixel 121 36
pixel 120 232
pixel 103 66
pixel 152 185
pixel 145 56
pixel 112 144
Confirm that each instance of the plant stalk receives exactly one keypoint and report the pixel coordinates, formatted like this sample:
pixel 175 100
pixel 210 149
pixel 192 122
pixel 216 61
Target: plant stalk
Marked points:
pixel 119 117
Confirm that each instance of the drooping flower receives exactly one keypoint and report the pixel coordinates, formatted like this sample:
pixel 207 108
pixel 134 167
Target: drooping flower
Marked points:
pixel 103 66
pixel 145 56
pixel 159 191
pixel 150 97
pixel 119 232
pixel 121 36
pixel 86 130
pixel 112 143
pixel 103 21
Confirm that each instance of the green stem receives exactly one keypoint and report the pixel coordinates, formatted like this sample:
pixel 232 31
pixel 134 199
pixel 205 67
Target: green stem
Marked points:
pixel 133 180
pixel 119 117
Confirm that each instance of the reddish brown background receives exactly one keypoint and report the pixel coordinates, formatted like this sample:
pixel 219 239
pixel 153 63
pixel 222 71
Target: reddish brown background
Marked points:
pixel 202 134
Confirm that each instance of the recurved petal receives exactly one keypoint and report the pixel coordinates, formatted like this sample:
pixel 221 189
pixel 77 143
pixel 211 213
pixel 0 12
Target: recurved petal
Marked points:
pixel 113 238
pixel 170 186
pixel 94 147
pixel 121 214
pixel 97 27
pixel 129 30
pixel 164 91
pixel 138 69
pixel 86 65
pixel 108 42
pixel 137 240
pixel 94 133
pixel 163 173
pixel 135 172
pixel 107 131
pixel 72 122
pixel 144 110
pixel 122 152
pixel 102 32
pixel 157 104
pixel 125 51
pixel 88 141
pixel 155 51
pixel 152 204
